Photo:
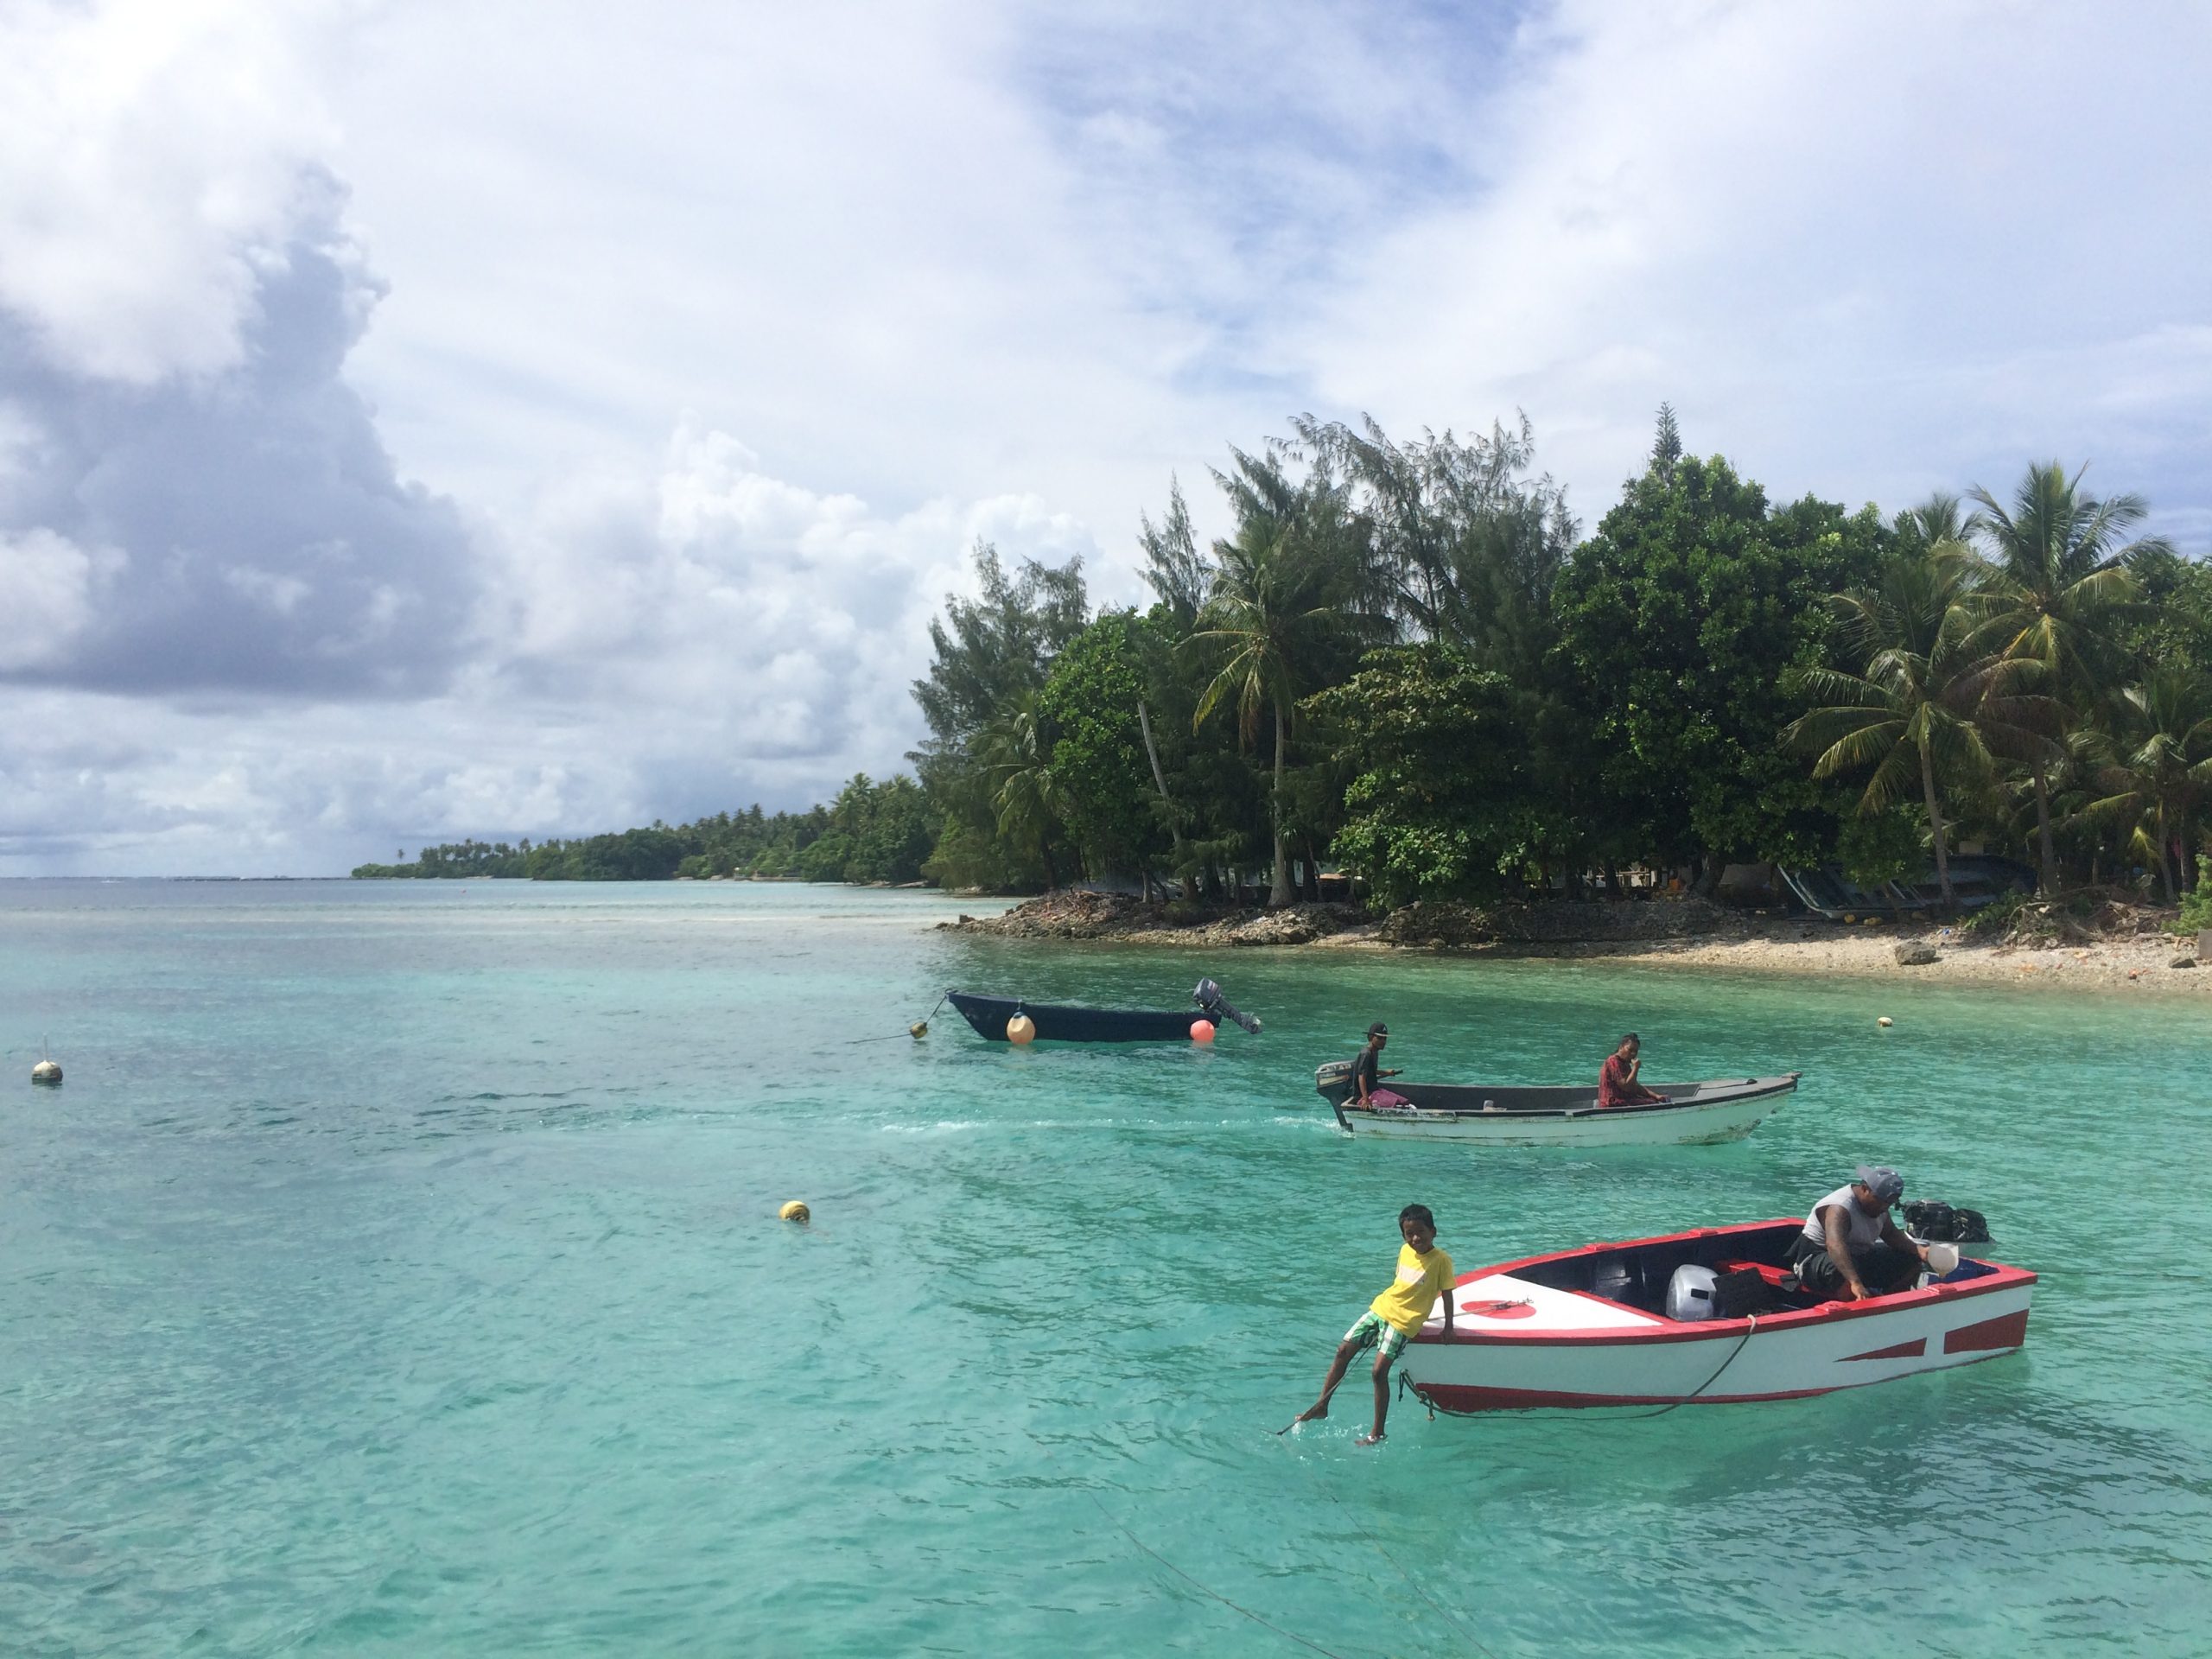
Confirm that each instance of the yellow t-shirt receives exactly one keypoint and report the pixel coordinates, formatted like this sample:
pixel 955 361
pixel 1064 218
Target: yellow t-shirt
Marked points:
pixel 1421 1280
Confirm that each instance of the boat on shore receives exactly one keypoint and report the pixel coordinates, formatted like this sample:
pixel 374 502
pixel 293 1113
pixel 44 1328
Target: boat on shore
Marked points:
pixel 1596 1326
pixel 1504 1114
pixel 1061 1023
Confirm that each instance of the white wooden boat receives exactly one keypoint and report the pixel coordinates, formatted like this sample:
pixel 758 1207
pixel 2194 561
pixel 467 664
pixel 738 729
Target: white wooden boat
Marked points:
pixel 1589 1327
pixel 1512 1116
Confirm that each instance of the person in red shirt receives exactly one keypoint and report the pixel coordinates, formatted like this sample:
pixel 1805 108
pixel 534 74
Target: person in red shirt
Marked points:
pixel 1617 1083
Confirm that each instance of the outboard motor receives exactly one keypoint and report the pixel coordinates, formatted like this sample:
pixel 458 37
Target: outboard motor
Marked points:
pixel 1216 1006
pixel 1934 1222
pixel 1689 1292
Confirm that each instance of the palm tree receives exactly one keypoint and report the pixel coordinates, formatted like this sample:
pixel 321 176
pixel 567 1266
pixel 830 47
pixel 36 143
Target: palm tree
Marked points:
pixel 2161 763
pixel 1282 587
pixel 1027 798
pixel 1927 705
pixel 2055 580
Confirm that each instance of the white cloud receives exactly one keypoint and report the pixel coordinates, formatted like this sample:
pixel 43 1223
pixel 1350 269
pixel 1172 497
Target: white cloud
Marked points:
pixel 154 151
pixel 949 270
pixel 48 586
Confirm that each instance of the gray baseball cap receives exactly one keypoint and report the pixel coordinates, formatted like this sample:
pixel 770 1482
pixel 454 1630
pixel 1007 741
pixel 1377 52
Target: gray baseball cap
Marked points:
pixel 1884 1182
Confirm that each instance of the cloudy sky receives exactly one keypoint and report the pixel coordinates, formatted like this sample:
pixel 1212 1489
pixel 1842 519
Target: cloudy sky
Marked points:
pixel 423 419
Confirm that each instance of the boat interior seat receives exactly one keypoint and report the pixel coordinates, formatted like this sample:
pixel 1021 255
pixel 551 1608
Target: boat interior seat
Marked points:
pixel 1781 1282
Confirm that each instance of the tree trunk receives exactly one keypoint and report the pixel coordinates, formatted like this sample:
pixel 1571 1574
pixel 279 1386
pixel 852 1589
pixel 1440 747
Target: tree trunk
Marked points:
pixel 1935 827
pixel 1174 825
pixel 2050 872
pixel 1280 895
pixel 2165 856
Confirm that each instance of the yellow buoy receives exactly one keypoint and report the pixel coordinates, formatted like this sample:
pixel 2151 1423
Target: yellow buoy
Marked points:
pixel 1885 1020
pixel 1202 1031
pixel 1020 1030
pixel 46 1071
pixel 796 1211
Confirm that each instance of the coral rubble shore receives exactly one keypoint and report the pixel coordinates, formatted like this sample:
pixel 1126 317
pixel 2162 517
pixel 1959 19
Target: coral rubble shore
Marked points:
pixel 2120 947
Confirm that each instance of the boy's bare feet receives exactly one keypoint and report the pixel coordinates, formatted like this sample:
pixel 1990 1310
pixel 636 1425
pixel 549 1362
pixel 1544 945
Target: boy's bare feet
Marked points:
pixel 1369 1439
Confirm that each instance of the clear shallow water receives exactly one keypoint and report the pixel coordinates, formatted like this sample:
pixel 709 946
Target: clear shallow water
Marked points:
pixel 397 1273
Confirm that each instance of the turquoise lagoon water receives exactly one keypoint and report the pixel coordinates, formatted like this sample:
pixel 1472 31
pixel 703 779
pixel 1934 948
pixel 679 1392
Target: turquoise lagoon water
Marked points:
pixel 397 1273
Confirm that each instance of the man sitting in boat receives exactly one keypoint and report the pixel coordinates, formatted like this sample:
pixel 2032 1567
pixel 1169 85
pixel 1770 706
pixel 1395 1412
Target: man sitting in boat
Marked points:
pixel 1366 1070
pixel 1850 1243
pixel 1617 1083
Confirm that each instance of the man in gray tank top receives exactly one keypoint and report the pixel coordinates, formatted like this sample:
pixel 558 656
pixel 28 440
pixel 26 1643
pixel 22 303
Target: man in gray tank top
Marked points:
pixel 1850 1248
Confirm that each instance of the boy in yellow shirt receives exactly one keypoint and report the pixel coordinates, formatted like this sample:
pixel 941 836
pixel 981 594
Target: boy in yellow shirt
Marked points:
pixel 1424 1273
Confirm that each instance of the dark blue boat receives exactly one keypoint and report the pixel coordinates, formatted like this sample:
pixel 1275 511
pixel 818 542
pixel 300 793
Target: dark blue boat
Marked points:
pixel 1058 1023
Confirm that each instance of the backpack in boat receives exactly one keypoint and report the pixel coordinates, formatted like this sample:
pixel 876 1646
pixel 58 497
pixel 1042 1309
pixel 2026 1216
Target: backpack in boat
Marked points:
pixel 1737 1293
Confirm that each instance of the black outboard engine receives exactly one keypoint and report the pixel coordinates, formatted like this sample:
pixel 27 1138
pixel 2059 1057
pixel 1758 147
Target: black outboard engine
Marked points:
pixel 1934 1222
pixel 1216 1006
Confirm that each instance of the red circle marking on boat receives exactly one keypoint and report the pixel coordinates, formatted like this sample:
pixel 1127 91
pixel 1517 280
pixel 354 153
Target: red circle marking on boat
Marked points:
pixel 1499 1310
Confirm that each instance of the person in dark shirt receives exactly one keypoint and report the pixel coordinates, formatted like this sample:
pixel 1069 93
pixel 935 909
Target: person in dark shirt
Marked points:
pixel 1366 1071
pixel 1617 1083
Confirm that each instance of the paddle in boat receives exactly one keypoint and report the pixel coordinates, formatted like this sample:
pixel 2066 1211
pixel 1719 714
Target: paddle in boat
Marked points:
pixel 1510 1116
pixel 1706 1316
pixel 1054 1023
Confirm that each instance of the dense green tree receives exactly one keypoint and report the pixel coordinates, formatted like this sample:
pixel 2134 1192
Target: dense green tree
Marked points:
pixel 1285 600
pixel 2160 768
pixel 1927 707
pixel 2057 590
pixel 1682 624
pixel 1439 804
pixel 1092 703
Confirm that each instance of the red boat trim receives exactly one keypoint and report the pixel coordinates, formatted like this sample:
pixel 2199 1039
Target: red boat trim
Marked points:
pixel 1912 1350
pixel 2005 1331
pixel 2002 1278
pixel 1463 1397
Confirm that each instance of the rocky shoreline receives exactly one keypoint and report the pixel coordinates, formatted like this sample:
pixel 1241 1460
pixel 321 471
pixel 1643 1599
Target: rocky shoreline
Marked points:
pixel 2116 946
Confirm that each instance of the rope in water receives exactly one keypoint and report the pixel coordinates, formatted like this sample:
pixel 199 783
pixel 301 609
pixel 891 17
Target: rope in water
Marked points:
pixel 1205 1589
pixel 1420 1589
pixel 910 1031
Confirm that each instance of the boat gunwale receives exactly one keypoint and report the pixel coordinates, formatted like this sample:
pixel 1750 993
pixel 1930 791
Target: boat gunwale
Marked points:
pixel 2002 1276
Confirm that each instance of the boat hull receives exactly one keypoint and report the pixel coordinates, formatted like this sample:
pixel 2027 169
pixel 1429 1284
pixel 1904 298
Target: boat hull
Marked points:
pixel 1058 1024
pixel 1697 1113
pixel 1519 1344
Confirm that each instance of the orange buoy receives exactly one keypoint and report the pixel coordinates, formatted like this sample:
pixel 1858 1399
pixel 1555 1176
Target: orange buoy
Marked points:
pixel 1021 1031
pixel 1202 1031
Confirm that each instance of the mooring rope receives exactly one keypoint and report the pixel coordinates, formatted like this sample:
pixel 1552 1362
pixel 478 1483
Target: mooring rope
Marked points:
pixel 1207 1590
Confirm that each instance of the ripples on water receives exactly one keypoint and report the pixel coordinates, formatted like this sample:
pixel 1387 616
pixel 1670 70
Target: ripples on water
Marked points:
pixel 397 1273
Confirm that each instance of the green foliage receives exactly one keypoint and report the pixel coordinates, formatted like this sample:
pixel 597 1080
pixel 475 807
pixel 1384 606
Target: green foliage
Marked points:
pixel 458 859
pixel 1997 917
pixel 1875 848
pixel 1682 623
pixel 1099 764
pixel 1438 804
pixel 2196 903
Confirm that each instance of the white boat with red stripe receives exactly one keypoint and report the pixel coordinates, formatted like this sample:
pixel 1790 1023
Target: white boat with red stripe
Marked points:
pixel 1589 1327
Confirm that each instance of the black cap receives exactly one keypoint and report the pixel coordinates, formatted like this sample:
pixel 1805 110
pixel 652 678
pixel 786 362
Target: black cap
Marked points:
pixel 1378 1029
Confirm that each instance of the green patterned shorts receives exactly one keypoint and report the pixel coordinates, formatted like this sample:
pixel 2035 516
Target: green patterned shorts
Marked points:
pixel 1373 1331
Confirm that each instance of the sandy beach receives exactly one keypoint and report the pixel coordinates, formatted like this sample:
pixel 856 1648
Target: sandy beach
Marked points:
pixel 2123 950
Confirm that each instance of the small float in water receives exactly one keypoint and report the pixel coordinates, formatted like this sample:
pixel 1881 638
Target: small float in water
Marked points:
pixel 1058 1023
pixel 1693 1114
pixel 1707 1316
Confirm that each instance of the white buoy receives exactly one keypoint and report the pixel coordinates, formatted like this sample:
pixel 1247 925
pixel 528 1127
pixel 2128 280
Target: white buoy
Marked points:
pixel 1020 1030
pixel 1884 1022
pixel 795 1210
pixel 46 1071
